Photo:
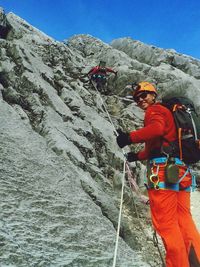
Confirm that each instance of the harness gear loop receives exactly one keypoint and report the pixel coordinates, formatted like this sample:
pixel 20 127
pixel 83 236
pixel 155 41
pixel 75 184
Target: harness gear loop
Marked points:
pixel 165 184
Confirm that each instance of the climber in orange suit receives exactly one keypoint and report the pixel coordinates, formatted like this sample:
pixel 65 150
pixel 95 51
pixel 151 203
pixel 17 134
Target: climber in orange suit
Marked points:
pixel 169 203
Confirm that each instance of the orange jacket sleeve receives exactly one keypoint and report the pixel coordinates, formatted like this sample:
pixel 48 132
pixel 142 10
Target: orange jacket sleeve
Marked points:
pixel 154 127
pixel 158 126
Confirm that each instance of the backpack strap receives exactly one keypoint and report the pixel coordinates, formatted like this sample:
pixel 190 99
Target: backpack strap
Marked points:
pixel 180 143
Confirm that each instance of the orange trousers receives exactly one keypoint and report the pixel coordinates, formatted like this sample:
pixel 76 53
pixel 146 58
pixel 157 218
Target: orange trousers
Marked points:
pixel 171 217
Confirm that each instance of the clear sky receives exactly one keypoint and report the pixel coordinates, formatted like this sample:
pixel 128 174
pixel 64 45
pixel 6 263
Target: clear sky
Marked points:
pixel 168 24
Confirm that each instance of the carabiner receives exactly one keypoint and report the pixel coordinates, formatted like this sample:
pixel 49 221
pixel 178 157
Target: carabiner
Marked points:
pixel 154 178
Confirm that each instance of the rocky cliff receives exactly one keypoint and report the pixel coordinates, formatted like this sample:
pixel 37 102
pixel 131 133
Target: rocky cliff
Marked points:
pixel 61 169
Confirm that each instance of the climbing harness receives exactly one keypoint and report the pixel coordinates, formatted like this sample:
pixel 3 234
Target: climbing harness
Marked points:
pixel 157 184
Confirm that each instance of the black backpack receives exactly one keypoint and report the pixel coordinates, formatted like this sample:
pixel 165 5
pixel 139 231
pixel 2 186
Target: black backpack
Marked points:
pixel 188 128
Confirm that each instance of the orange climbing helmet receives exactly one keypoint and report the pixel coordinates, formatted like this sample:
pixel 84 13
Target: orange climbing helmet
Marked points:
pixel 143 87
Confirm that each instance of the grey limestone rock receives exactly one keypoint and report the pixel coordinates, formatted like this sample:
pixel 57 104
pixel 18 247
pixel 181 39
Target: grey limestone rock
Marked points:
pixel 61 169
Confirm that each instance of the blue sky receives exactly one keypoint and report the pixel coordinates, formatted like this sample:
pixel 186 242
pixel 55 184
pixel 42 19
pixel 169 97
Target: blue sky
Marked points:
pixel 164 23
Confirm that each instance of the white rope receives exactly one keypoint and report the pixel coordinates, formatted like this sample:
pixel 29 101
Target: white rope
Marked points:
pixel 120 215
pixel 105 108
pixel 123 179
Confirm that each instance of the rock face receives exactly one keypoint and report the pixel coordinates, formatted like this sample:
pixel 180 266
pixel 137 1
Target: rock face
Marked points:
pixel 61 169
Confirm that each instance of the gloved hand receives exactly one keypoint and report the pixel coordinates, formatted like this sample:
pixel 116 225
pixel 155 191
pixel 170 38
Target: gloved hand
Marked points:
pixel 131 157
pixel 123 139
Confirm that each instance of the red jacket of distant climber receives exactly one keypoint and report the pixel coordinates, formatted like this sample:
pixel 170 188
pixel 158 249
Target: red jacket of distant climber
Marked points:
pixel 100 70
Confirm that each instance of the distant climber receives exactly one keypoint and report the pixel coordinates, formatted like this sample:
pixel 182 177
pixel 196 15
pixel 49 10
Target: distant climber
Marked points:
pixel 5 26
pixel 169 178
pixel 98 74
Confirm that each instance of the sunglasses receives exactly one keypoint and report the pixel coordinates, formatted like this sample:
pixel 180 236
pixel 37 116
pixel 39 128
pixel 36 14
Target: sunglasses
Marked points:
pixel 142 95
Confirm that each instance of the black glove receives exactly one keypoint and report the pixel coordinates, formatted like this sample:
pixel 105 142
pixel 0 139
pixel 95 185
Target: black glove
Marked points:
pixel 131 156
pixel 123 139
